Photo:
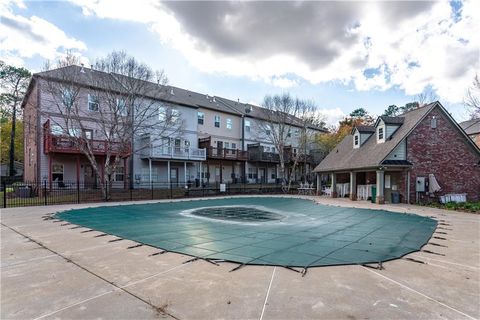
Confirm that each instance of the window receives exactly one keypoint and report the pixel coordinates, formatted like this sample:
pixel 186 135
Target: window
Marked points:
pixel 247 125
pixel 175 115
pixel 122 107
pixel 289 134
pixel 118 175
pixel 67 98
pixel 356 139
pixel 267 132
pixel 200 117
pixel 267 149
pixel 56 130
pixel 57 172
pixel 234 145
pixel 380 133
pixel 29 156
pixel 297 132
pixel 227 145
pixel 93 104
pixel 162 114
pixel 88 134
pixel 217 121
pixel 72 132
pixel 252 173
pixel 229 123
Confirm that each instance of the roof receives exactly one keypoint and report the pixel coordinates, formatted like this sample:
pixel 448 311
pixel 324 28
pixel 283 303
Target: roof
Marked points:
pixel 392 120
pixel 364 128
pixel 471 126
pixel 371 154
pixel 98 79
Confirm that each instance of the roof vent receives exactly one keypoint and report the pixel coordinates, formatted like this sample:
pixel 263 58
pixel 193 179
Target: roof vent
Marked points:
pixel 213 100
pixel 207 97
pixel 81 69
pixel 433 122
pixel 248 109
pixel 171 92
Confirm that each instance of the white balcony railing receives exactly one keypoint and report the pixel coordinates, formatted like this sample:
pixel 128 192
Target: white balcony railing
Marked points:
pixel 175 153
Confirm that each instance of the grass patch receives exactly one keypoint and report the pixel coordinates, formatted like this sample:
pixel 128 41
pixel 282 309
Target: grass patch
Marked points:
pixel 473 207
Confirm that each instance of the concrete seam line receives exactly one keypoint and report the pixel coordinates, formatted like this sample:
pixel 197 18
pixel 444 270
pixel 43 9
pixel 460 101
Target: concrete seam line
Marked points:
pixel 28 260
pixel 87 270
pixel 419 293
pixel 108 292
pixel 268 293
pixel 447 262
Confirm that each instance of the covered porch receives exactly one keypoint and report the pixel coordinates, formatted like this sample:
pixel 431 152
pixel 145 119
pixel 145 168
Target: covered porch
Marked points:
pixel 379 185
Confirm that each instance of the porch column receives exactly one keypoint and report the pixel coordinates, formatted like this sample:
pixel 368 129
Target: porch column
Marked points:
pixel 319 184
pixel 168 174
pixel 200 177
pixel 380 187
pixel 185 172
pixel 78 169
pixel 353 185
pixel 150 170
pixel 334 185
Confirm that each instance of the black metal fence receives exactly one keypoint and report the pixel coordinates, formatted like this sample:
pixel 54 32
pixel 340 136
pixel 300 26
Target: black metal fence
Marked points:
pixel 19 194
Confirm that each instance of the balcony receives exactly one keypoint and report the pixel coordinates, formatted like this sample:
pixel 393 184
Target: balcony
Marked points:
pixel 227 154
pixel 72 145
pixel 261 156
pixel 164 152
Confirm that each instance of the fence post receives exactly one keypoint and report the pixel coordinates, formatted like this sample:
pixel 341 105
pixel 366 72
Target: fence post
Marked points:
pixel 151 187
pixel 4 194
pixel 45 192
pixel 131 191
pixel 78 191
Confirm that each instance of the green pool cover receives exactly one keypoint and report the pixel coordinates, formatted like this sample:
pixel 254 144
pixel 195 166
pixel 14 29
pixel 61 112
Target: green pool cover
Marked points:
pixel 277 231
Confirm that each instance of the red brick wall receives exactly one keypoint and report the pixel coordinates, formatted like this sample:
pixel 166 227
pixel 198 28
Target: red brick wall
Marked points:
pixel 30 137
pixel 443 151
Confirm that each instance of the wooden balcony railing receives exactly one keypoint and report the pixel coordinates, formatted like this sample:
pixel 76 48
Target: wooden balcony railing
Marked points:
pixel 166 152
pixel 227 154
pixel 73 145
pixel 258 155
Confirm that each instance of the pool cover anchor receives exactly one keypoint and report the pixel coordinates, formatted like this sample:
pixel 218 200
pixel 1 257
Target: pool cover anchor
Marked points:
pixel 431 252
pixel 378 267
pixel 204 259
pixel 135 246
pixel 158 253
pixel 115 240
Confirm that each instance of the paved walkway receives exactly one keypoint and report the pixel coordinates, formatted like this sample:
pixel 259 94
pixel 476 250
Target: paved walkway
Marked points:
pixel 54 270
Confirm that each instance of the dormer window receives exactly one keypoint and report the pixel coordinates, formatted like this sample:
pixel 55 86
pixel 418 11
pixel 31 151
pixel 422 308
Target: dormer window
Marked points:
pixel 380 133
pixel 356 140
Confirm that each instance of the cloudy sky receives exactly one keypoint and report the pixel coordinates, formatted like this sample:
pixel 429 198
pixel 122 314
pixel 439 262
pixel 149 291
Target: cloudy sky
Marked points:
pixel 342 55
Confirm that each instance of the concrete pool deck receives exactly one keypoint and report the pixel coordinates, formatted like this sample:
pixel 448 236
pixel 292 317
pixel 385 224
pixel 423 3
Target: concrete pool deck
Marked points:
pixel 50 270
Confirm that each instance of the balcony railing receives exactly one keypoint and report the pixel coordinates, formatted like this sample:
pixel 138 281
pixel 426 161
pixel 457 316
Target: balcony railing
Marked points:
pixel 227 154
pixel 257 155
pixel 74 145
pixel 164 152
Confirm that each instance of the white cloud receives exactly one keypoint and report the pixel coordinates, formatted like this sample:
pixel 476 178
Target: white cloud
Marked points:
pixel 332 116
pixel 22 37
pixel 411 45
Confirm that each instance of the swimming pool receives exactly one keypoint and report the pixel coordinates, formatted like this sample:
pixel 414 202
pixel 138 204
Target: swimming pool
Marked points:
pixel 278 231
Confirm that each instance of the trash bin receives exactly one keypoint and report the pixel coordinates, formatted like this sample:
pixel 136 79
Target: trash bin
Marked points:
pixel 395 197
pixel 24 192
pixel 374 194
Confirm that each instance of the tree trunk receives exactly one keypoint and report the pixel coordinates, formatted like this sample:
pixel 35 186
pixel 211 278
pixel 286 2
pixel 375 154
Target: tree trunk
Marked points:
pixel 12 170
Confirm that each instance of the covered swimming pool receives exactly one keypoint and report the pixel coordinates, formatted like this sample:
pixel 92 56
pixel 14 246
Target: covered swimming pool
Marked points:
pixel 280 231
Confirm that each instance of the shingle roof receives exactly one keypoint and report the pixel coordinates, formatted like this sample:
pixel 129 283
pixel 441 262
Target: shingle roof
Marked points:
pixel 392 120
pixel 365 128
pixel 471 126
pixel 371 153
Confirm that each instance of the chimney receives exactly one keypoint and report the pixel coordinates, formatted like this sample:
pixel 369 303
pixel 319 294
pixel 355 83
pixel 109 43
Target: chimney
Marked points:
pixel 214 99
pixel 171 92
pixel 81 69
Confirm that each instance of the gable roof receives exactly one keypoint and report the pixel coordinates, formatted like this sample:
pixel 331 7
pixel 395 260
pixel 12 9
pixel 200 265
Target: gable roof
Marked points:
pixel 364 129
pixel 471 126
pixel 372 154
pixel 392 120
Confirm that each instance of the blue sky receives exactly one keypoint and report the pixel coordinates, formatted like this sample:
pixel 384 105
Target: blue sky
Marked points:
pixel 342 55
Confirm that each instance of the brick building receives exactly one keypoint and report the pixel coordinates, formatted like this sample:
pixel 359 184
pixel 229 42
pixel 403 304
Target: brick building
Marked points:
pixel 407 155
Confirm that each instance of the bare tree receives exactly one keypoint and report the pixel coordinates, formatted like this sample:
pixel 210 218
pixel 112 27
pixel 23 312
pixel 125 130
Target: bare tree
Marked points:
pixel 288 122
pixel 472 99
pixel 427 96
pixel 118 100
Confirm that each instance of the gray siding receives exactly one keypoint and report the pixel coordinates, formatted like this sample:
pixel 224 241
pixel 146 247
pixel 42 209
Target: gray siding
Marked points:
pixel 399 153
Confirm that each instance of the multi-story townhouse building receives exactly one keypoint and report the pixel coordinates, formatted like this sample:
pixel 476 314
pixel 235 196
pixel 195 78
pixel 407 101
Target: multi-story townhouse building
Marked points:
pixel 220 140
